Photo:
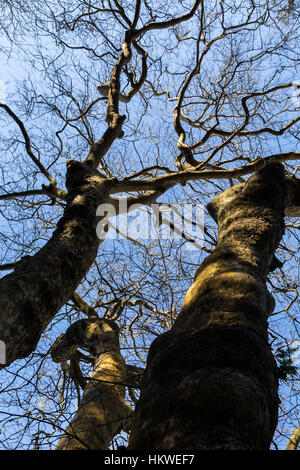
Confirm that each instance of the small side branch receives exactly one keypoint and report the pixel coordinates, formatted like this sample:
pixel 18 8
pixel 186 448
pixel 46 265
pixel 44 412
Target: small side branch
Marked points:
pixel 28 143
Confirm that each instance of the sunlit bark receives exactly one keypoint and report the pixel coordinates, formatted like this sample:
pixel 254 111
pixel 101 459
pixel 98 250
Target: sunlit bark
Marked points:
pixel 39 286
pixel 294 441
pixel 102 412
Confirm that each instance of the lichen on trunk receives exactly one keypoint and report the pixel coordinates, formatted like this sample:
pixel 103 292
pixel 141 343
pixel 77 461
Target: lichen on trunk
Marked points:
pixel 102 412
pixel 211 381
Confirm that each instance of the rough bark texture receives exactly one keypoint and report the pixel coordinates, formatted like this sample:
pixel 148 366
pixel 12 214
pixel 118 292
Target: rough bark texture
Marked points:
pixel 102 412
pixel 42 284
pixel 294 441
pixel 211 381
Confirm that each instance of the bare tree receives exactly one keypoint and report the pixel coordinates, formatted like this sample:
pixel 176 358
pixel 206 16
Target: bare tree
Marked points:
pixel 104 79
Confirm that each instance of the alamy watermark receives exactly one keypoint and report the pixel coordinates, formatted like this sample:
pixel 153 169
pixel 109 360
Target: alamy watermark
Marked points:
pixel 296 93
pixel 158 221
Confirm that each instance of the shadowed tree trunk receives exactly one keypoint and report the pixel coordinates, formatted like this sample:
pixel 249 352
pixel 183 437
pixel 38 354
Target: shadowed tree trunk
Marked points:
pixel 102 412
pixel 211 381
pixel 42 284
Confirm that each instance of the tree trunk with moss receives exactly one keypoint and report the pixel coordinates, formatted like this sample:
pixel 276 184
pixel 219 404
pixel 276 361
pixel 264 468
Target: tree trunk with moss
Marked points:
pixel 102 412
pixel 40 285
pixel 211 381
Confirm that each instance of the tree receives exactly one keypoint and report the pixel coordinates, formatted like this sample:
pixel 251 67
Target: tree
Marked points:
pixel 234 100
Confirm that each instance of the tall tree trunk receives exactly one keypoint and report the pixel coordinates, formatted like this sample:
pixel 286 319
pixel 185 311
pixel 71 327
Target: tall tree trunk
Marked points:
pixel 102 412
pixel 42 284
pixel 294 441
pixel 211 381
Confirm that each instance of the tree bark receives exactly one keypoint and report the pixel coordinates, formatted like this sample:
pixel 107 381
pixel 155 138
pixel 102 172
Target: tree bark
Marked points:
pixel 102 412
pixel 294 441
pixel 211 381
pixel 41 285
